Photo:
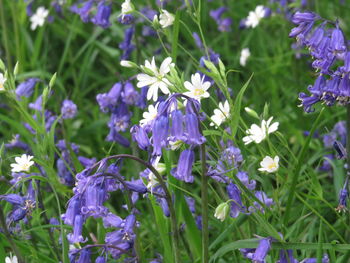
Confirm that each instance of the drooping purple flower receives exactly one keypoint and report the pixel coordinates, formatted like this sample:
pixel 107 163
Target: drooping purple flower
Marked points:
pixel 73 209
pixel 136 186
pixel 264 199
pixel 129 95
pixel 83 11
pixel 325 259
pixel 243 177
pixel 120 118
pixel 224 25
pixel 16 143
pixel 37 105
pixel 286 256
pixel 100 259
pixel 76 236
pixel 160 133
pixel 217 13
pixel 108 101
pixel 234 194
pixel 26 88
pixel 262 250
pixel 140 136
pixel 126 19
pixel 95 194
pixel 183 171
pixel 102 15
pixel 302 17
pixel 69 109
pixel 126 45
pixel 177 129
pixel 84 256
pixel 112 220
pixel 193 135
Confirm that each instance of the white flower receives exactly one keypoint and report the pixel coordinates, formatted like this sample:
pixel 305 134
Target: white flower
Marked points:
pixel 11 259
pixel 22 164
pixel 38 19
pixel 127 7
pixel 149 116
pixel 166 19
pixel 157 80
pixel 152 179
pixel 245 54
pixel 221 211
pixel 220 114
pixel 126 63
pixel 269 165
pixel 2 82
pixel 255 16
pixel 257 134
pixel 198 88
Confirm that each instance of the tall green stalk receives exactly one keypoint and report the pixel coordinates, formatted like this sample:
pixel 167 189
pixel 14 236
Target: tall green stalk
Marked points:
pixel 204 189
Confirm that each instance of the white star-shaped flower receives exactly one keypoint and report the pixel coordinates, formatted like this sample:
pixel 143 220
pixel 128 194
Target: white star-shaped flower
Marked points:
pixel 197 87
pixel 220 114
pixel 38 19
pixel 127 8
pixel 255 16
pixel 269 165
pixel 11 259
pixel 158 78
pixel 150 115
pixel 258 134
pixel 245 54
pixel 166 19
pixel 22 164
pixel 2 82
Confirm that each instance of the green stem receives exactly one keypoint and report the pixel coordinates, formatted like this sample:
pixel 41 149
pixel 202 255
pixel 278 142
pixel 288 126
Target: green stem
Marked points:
pixel 8 236
pixel 204 188
pixel 348 137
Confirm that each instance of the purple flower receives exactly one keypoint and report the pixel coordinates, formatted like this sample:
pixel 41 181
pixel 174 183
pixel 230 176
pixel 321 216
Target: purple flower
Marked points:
pixel 264 199
pixel 236 202
pixel 84 256
pixel 120 118
pixel 286 256
pixel 243 177
pixel 73 209
pixel 129 95
pixel 76 236
pixel 224 25
pixel 136 186
pixel 26 88
pixel 217 13
pixel 262 250
pixel 108 101
pixel 16 143
pixel 37 105
pixel 100 259
pixel 183 171
pixel 84 10
pixel 160 133
pixel 140 136
pixel 300 17
pixel 126 45
pixel 102 15
pixel 112 220
pixel 193 135
pixel 68 109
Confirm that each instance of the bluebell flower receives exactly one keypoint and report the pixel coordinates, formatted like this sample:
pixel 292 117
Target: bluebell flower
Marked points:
pixel 76 236
pixel 302 17
pixel 16 143
pixel 183 171
pixel 114 136
pixel 84 256
pixel 73 209
pixel 120 118
pixel 264 199
pixel 262 250
pixel 112 220
pixel 126 45
pixel 37 105
pixel 224 25
pixel 136 186
pixel 140 136
pixel 126 19
pixel 102 15
pixel 325 259
pixel 66 176
pixel 83 11
pixel 243 177
pixel 217 13
pixel 234 194
pixel 100 259
pixel 160 133
pixel 286 256
pixel 129 95
pixel 26 88
pixel 108 101
pixel 193 134
pixel 69 109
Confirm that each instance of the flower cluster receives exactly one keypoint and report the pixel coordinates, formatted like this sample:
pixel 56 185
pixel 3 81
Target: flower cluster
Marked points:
pixel 328 47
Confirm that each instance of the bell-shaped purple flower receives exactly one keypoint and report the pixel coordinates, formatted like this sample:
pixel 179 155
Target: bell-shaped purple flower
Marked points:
pixel 160 134
pixel 108 101
pixel 300 17
pixel 84 256
pixel 183 171
pixel 112 220
pixel 217 13
pixel 307 102
pixel 102 15
pixel 262 250
pixel 84 10
pixel 244 178
pixel 26 88
pixel 140 136
pixel 177 129
pixel 69 109
pixel 136 186
pixel 194 137
pixel 129 95
pixel 337 44
pixel 73 209
pixel 236 202
pixel 76 236
pixel 100 259
pixel 286 256
pixel 224 25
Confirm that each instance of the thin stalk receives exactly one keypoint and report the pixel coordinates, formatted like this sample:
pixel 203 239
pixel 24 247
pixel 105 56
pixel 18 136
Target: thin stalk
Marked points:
pixel 204 190
pixel 9 238
pixel 348 137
